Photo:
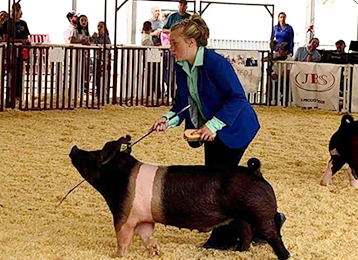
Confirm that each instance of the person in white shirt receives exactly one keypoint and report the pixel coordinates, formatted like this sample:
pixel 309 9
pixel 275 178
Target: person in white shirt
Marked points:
pixel 71 34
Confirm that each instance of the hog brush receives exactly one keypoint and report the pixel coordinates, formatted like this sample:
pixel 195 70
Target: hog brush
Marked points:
pixel 74 187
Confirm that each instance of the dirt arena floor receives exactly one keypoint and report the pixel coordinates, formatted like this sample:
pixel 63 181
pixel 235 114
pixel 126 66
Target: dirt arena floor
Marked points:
pixel 36 172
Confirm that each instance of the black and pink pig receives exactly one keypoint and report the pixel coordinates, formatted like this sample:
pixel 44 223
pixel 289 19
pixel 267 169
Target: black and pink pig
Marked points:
pixel 343 148
pixel 185 196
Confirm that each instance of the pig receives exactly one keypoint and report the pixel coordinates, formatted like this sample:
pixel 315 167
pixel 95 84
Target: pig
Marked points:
pixel 343 148
pixel 139 195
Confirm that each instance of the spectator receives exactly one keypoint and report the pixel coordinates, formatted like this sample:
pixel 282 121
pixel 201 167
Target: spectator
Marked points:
pixel 283 32
pixel 71 34
pixel 3 18
pixel 21 36
pixel 102 35
pixel 22 31
pixel 146 37
pixel 308 53
pixel 83 31
pixel 176 17
pixel 164 16
pixel 340 46
pixel 157 25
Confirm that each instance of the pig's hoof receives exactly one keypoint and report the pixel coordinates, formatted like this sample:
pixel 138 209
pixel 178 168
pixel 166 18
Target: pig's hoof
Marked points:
pixel 323 183
pixel 354 184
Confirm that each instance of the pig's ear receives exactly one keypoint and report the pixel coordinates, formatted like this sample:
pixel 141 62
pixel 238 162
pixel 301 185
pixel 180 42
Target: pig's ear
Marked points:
pixel 128 138
pixel 107 154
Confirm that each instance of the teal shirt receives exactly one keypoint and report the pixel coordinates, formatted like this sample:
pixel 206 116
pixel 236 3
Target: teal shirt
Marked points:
pixel 196 112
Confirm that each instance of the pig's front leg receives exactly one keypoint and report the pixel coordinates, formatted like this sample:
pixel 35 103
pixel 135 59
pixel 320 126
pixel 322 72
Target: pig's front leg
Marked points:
pixel 145 231
pixel 124 234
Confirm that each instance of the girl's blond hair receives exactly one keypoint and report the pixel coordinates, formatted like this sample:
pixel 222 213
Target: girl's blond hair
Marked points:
pixel 194 27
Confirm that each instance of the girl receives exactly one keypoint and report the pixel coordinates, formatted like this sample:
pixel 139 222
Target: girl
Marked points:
pixel 102 35
pixel 219 109
pixel 146 38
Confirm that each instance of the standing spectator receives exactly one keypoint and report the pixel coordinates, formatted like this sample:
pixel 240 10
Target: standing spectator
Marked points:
pixel 71 34
pixel 83 31
pixel 21 36
pixel 21 30
pixel 283 32
pixel 3 18
pixel 308 53
pixel 157 25
pixel 176 17
pixel 102 35
pixel 164 16
pixel 146 37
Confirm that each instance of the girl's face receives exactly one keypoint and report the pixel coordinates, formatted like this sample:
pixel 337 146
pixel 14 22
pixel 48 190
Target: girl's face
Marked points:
pixel 282 19
pixel 181 48
pixel 83 21
pixel 3 17
pixel 100 28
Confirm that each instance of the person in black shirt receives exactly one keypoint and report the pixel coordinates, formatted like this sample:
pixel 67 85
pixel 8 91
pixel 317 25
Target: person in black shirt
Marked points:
pixel 3 17
pixel 19 35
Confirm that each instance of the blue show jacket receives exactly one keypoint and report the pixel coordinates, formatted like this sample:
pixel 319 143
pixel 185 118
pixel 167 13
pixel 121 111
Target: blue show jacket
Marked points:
pixel 222 96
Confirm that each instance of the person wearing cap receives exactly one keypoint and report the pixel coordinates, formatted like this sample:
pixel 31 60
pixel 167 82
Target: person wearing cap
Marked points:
pixel 71 34
pixel 340 46
pixel 176 17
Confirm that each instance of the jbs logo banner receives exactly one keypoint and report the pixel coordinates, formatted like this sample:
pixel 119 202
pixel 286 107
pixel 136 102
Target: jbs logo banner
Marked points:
pixel 315 85
pixel 247 67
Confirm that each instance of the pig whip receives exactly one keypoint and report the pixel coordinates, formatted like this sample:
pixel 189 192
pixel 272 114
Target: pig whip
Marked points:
pixel 74 187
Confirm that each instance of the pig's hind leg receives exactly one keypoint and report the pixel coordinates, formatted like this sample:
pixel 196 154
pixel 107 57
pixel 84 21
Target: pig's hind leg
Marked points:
pixel 335 164
pixel 269 230
pixel 145 231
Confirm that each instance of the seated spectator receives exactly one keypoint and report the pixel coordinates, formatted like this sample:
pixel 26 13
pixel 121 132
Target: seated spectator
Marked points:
pixel 146 38
pixel 102 35
pixel 337 56
pixel 308 53
pixel 3 17
pixel 340 46
pixel 83 31
pixel 71 34
pixel 283 54
pixel 157 25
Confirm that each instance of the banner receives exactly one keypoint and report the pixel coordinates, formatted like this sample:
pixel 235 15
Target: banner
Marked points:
pixel 315 85
pixel 247 67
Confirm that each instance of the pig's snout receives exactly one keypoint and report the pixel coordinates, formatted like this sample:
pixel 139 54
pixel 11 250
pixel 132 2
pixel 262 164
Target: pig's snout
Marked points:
pixel 74 152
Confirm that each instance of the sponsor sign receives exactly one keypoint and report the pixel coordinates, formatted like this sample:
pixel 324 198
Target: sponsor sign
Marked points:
pixel 247 67
pixel 315 85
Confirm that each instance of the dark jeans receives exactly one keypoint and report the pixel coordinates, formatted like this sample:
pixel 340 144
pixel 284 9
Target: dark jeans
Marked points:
pixel 217 154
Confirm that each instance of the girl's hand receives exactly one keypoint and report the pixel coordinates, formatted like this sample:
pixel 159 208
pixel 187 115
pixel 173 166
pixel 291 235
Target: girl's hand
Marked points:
pixel 206 134
pixel 161 124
